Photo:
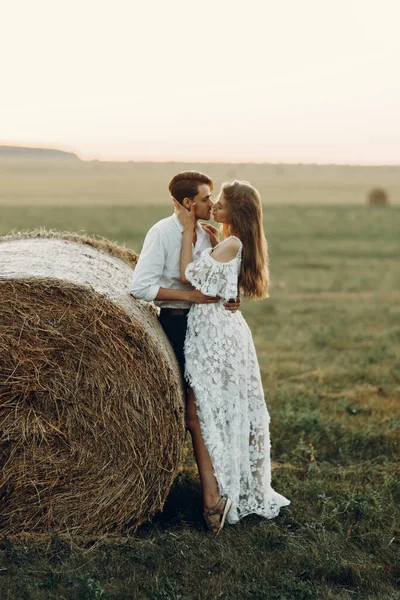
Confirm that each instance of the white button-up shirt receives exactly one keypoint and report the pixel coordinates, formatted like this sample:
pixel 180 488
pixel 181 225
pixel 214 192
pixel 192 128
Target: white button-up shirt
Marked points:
pixel 159 262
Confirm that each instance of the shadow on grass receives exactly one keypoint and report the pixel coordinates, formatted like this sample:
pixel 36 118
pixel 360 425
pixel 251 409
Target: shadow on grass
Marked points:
pixel 183 510
pixel 182 507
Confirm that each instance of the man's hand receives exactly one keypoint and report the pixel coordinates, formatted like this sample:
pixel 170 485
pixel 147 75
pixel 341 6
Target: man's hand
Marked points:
pixel 233 306
pixel 199 298
pixel 212 231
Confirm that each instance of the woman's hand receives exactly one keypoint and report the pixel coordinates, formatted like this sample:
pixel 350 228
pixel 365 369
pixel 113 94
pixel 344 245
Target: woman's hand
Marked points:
pixel 188 221
pixel 186 217
pixel 212 231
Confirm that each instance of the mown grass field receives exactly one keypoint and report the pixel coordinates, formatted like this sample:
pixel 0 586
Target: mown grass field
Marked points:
pixel 76 182
pixel 328 342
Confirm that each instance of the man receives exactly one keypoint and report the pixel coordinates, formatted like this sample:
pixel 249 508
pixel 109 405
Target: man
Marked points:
pixel 157 272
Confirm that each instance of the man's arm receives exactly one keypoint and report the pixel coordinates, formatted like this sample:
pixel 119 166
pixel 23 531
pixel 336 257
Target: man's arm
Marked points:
pixel 149 267
pixel 187 295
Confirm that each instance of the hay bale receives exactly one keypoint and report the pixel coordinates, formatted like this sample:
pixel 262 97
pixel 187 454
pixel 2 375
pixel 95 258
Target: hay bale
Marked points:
pixel 91 403
pixel 378 196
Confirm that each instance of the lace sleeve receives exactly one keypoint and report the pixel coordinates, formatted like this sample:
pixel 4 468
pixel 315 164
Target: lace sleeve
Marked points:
pixel 213 278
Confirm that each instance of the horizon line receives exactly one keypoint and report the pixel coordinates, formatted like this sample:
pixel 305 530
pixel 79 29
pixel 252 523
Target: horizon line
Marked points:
pixel 203 161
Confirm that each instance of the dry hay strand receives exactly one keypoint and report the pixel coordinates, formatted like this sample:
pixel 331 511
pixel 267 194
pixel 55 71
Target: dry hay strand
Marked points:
pixel 91 403
pixel 94 241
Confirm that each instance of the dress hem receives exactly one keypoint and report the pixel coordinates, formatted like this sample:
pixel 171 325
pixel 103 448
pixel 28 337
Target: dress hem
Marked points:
pixel 260 513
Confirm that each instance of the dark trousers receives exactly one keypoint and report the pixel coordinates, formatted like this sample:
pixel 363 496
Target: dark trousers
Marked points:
pixel 175 329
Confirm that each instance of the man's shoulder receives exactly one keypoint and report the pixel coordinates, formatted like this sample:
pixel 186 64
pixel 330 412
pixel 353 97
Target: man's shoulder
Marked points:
pixel 163 226
pixel 163 229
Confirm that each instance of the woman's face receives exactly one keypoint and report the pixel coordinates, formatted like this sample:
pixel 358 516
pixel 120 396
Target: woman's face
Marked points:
pixel 220 212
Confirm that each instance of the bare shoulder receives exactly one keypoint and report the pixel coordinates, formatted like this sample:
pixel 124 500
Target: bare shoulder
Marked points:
pixel 227 250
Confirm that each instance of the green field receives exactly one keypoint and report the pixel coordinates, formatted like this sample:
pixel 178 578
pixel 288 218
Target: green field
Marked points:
pixel 76 182
pixel 328 342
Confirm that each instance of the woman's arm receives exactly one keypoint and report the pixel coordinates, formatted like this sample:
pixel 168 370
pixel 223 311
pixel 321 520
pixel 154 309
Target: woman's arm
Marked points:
pixel 186 217
pixel 186 252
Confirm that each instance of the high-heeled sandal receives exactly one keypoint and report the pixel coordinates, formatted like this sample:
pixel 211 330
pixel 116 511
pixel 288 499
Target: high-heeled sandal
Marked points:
pixel 213 526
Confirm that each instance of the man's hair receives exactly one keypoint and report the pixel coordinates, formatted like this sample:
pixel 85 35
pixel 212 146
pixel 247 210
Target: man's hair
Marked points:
pixel 186 184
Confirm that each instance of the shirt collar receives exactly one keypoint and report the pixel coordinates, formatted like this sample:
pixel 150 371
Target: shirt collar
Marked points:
pixel 179 225
pixel 177 222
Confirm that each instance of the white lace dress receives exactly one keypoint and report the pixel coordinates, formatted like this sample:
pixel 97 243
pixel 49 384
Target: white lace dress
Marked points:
pixel 223 371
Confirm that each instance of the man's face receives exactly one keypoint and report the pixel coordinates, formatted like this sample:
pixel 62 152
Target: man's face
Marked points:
pixel 203 202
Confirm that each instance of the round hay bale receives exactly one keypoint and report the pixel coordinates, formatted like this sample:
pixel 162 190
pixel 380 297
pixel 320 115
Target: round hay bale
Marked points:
pixel 91 403
pixel 378 196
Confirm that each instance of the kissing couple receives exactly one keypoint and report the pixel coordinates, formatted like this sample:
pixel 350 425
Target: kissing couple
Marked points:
pixel 197 279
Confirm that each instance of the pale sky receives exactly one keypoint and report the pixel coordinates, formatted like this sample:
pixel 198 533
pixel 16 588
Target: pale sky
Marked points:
pixel 212 80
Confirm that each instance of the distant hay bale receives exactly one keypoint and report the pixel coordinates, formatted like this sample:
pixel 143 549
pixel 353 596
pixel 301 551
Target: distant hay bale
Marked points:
pixel 378 196
pixel 91 403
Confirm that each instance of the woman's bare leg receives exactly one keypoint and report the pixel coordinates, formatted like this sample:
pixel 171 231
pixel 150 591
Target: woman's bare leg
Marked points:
pixel 209 484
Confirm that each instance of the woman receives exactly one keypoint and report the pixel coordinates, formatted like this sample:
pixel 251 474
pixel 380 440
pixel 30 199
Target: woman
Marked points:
pixel 226 411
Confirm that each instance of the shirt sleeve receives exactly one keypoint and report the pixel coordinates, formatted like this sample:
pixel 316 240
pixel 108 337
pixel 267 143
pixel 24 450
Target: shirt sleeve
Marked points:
pixel 149 267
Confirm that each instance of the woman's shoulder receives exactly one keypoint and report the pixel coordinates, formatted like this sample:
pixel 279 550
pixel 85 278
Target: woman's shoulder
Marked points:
pixel 227 250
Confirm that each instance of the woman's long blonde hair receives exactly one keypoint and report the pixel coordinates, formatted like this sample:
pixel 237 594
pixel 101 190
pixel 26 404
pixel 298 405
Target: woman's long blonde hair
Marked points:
pixel 246 222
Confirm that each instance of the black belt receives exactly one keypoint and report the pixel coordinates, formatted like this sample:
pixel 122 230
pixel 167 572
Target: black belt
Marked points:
pixel 174 311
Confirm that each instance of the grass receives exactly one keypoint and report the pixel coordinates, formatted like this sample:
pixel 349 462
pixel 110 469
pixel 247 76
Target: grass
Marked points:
pixel 65 182
pixel 328 342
